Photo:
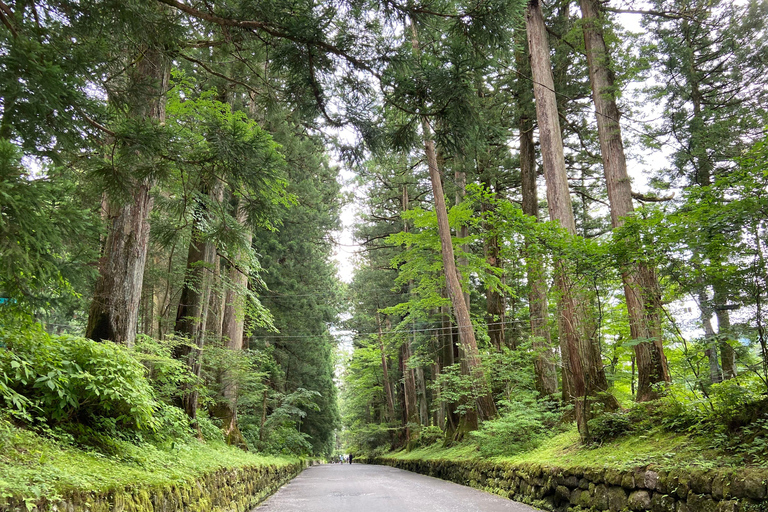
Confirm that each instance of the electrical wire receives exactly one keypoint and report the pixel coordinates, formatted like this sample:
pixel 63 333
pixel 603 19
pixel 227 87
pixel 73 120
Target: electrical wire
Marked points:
pixel 355 333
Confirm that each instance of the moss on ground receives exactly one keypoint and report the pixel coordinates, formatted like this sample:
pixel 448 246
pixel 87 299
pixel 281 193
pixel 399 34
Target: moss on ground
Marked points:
pixel 34 467
pixel 662 449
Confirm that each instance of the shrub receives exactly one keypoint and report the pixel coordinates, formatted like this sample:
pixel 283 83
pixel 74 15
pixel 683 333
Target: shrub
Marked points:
pixel 430 435
pixel 169 377
pixel 209 429
pixel 608 426
pixel 70 379
pixel 522 426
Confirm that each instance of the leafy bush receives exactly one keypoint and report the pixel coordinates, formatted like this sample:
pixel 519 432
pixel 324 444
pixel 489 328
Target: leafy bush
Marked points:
pixel 69 379
pixel 172 424
pixel 732 416
pixel 168 376
pixel 522 426
pixel 608 426
pixel 430 435
pixel 209 430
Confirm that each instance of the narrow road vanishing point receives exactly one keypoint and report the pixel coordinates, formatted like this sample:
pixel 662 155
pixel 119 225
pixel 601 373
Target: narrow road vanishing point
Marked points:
pixel 364 488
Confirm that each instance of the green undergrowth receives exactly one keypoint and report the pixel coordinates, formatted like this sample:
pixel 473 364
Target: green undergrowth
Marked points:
pixel 656 447
pixel 34 466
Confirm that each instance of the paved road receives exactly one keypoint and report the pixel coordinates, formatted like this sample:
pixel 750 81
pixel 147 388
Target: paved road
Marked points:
pixel 366 488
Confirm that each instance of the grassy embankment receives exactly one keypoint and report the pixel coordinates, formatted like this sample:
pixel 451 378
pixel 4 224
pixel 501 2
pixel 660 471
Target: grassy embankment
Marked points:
pixel 657 448
pixel 34 467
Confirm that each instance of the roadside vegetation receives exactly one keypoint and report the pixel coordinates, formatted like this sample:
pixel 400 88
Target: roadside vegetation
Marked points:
pixel 87 416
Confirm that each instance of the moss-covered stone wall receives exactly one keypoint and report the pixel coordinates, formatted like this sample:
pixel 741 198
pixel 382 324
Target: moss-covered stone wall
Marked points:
pixel 230 490
pixel 582 489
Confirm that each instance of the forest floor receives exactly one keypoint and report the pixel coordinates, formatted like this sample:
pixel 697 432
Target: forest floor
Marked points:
pixel 33 466
pixel 659 448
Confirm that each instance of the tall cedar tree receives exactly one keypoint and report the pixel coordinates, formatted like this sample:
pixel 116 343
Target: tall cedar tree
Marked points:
pixel 114 311
pixel 581 361
pixel 641 287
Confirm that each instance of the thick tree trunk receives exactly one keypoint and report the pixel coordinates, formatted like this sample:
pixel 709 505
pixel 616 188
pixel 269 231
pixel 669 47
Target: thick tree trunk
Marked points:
pixel 582 365
pixel 727 354
pixel 233 324
pixel 640 282
pixel 113 314
pixel 215 321
pixel 486 408
pixel 218 296
pixel 544 361
pixel 388 394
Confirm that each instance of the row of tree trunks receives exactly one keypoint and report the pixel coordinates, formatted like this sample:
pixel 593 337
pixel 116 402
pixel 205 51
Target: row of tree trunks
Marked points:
pixel 194 305
pixel 641 288
pixel 581 361
pixel 486 408
pixel 233 325
pixel 470 355
pixel 388 394
pixel 410 409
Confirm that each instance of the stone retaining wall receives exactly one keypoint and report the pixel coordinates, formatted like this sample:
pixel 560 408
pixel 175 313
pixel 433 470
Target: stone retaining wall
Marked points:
pixel 581 489
pixel 225 490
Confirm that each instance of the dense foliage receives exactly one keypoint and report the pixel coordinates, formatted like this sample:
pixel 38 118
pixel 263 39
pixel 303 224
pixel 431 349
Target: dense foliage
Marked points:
pixel 692 245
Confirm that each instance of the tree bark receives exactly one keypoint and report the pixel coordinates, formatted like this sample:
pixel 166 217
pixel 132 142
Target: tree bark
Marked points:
pixel 218 295
pixel 388 394
pixel 640 281
pixel 727 354
pixel 233 324
pixel 113 314
pixel 192 313
pixel 486 408
pixel 462 231
pixel 715 372
pixel 495 306
pixel 448 358
pixel 409 391
pixel 544 359
pixel 581 363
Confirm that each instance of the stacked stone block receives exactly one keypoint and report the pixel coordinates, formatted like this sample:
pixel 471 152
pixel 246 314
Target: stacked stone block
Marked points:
pixel 603 489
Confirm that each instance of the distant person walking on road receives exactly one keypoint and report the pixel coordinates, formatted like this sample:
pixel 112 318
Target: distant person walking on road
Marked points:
pixel 350 458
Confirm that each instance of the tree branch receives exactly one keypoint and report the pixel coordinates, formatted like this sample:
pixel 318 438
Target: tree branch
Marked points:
pixel 269 29
pixel 658 14
pixel 651 199
pixel 220 75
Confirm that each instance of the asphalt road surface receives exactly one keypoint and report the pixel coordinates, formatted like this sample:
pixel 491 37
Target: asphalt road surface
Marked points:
pixel 367 488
